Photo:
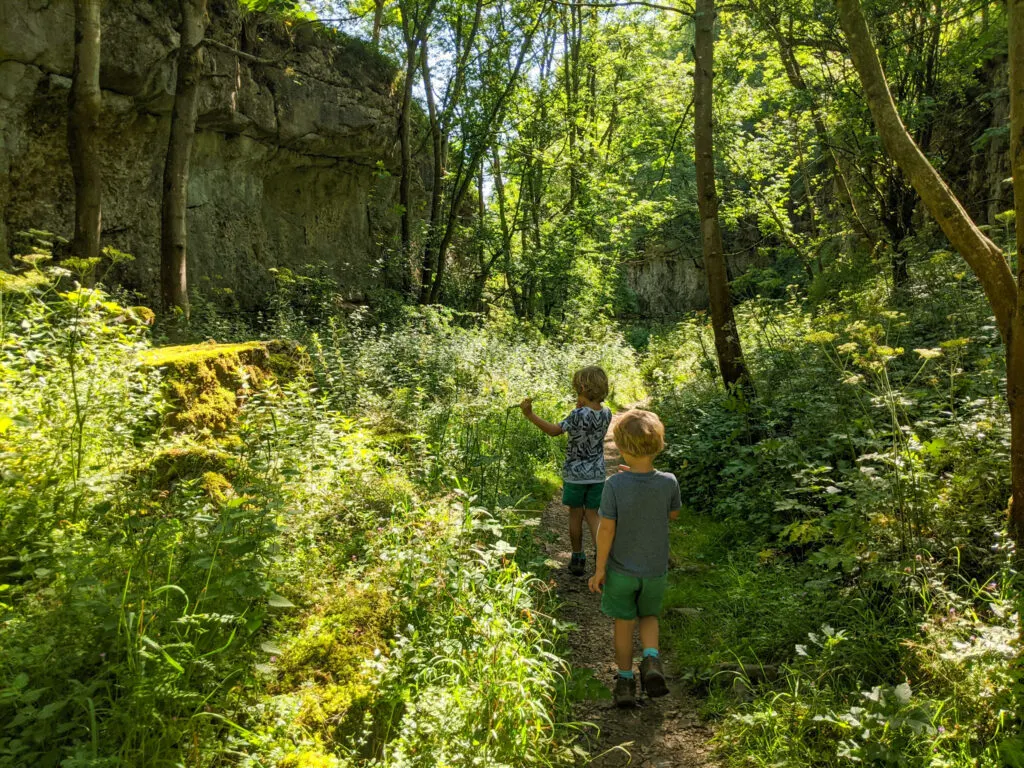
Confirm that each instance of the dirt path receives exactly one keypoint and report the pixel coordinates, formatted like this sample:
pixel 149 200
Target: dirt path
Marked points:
pixel 659 733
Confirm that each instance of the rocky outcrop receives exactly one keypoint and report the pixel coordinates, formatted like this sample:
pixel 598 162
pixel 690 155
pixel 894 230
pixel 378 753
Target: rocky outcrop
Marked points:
pixel 667 277
pixel 295 159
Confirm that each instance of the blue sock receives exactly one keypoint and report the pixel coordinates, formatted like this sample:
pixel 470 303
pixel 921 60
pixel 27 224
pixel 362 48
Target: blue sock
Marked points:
pixel 651 652
pixel 627 674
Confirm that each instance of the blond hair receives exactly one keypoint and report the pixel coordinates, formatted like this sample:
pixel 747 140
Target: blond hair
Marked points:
pixel 591 382
pixel 640 433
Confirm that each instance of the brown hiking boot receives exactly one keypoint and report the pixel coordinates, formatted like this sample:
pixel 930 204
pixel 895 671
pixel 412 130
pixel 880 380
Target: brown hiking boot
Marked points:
pixel 625 691
pixel 652 677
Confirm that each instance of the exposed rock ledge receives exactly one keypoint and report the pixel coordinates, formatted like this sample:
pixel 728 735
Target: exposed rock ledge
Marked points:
pixel 293 159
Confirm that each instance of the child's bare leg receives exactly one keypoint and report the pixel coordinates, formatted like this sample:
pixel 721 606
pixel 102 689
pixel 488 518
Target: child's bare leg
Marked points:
pixel 592 522
pixel 649 632
pixel 624 644
pixel 576 528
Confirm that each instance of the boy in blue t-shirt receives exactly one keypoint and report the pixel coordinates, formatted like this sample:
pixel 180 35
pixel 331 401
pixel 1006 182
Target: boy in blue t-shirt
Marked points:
pixel 632 551
pixel 584 473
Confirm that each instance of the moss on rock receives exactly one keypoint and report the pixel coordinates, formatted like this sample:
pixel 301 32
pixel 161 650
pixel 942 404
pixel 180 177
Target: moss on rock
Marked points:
pixel 185 462
pixel 206 382
pixel 308 759
pixel 324 662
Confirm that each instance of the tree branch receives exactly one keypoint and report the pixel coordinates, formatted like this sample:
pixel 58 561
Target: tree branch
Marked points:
pixel 627 4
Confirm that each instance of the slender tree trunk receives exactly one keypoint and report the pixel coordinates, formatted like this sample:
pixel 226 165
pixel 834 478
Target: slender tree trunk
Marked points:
pixel 477 147
pixel 83 126
pixel 983 256
pixel 405 139
pixel 174 231
pixel 727 338
pixel 430 249
pixel 796 79
pixel 378 21
pixel 1015 351
pixel 571 54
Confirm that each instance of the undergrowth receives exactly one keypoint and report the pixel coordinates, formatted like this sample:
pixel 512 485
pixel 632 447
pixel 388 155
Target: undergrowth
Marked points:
pixel 846 590
pixel 343 570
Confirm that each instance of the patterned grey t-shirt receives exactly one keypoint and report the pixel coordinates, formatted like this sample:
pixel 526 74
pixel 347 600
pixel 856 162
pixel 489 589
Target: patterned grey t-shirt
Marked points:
pixel 584 457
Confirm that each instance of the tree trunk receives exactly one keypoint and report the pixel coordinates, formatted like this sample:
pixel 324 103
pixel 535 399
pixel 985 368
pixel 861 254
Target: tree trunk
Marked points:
pixel 481 140
pixel 378 20
pixel 83 125
pixel 173 231
pixel 796 79
pixel 983 256
pixel 727 339
pixel 405 139
pixel 430 249
pixel 1015 349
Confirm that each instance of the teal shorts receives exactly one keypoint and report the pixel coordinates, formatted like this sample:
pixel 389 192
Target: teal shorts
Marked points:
pixel 586 495
pixel 627 597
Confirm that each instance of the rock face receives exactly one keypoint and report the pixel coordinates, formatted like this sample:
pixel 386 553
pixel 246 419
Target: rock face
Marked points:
pixel 295 159
pixel 667 277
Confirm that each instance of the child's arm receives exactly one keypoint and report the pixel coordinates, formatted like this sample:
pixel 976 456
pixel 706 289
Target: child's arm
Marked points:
pixel 545 426
pixel 676 501
pixel 605 537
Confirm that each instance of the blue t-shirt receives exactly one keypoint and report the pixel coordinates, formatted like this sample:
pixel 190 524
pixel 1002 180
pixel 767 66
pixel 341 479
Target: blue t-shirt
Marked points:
pixel 584 456
pixel 639 504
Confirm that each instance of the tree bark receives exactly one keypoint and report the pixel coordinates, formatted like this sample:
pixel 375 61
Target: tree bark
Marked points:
pixel 174 230
pixel 84 105
pixel 405 139
pixel 983 256
pixel 1015 349
pixel 727 339
pixel 378 21
pixel 430 254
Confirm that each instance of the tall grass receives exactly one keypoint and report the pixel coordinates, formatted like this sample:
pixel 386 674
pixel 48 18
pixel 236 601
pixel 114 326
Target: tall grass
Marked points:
pixel 341 578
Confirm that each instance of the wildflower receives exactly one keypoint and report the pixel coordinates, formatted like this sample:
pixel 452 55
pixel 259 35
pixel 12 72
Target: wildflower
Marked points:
pixel 993 586
pixel 273 659
pixel 907 569
pixel 942 729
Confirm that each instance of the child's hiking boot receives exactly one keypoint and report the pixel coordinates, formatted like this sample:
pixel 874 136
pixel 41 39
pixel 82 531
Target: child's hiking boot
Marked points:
pixel 652 677
pixel 578 564
pixel 625 691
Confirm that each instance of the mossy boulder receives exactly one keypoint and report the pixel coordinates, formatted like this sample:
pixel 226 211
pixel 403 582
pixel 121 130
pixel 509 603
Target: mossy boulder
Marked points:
pixel 206 383
pixel 209 464
pixel 325 661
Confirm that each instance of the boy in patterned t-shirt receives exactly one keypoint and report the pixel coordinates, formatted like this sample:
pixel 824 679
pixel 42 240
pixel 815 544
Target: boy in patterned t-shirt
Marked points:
pixel 583 474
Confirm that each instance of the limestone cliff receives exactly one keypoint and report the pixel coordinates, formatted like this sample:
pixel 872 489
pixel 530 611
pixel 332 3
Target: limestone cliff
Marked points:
pixel 295 160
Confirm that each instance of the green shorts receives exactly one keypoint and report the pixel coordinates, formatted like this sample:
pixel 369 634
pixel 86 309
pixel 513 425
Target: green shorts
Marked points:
pixel 586 495
pixel 627 597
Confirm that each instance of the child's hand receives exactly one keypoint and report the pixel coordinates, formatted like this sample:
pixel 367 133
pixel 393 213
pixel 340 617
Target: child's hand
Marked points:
pixel 624 468
pixel 526 406
pixel 597 581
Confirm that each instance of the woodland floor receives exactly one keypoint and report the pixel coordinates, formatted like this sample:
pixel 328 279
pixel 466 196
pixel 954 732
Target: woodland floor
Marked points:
pixel 658 733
